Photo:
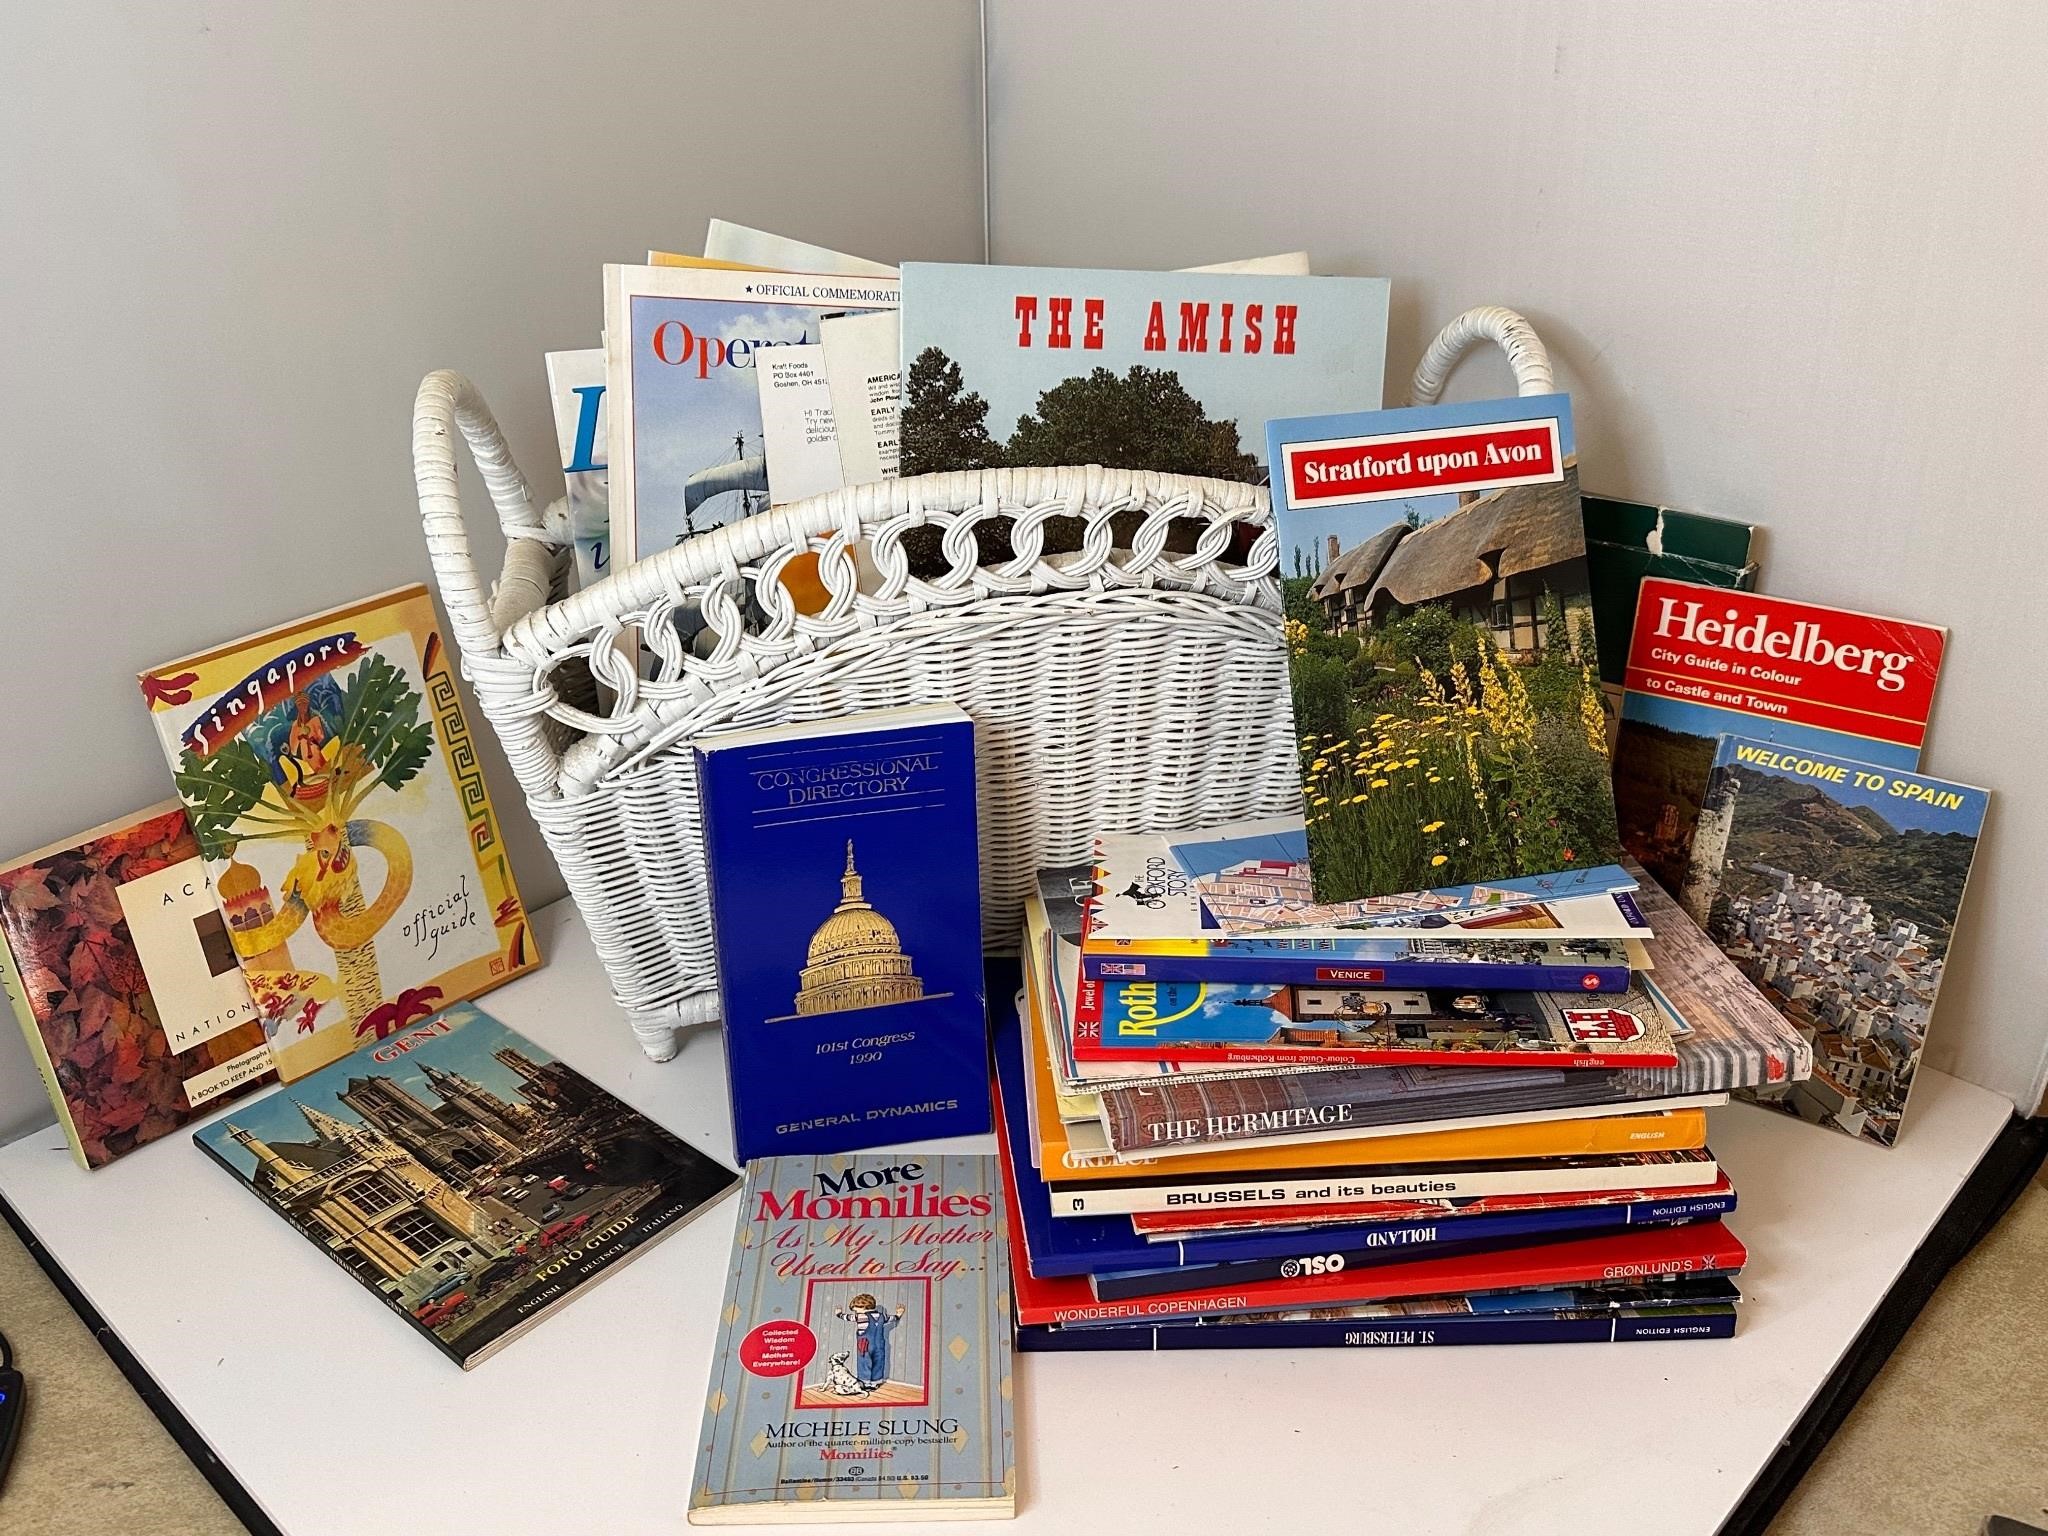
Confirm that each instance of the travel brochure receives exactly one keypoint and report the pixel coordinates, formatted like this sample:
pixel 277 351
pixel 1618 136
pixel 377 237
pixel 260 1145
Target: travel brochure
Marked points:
pixel 1444 668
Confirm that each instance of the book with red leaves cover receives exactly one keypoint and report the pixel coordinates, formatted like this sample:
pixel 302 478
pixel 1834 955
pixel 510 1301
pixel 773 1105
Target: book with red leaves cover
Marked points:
pixel 118 968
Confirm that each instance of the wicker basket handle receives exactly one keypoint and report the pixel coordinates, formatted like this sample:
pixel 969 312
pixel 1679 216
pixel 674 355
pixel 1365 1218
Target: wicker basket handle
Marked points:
pixel 480 616
pixel 1508 330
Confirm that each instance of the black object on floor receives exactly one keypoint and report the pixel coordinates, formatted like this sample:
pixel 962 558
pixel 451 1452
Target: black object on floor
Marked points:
pixel 13 1404
pixel 2005 1525
pixel 2003 1174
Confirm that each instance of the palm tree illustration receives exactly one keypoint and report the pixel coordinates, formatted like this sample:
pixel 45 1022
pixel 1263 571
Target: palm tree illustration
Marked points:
pixel 299 774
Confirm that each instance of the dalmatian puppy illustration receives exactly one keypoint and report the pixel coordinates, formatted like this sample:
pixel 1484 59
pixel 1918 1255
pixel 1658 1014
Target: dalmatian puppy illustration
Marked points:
pixel 839 1378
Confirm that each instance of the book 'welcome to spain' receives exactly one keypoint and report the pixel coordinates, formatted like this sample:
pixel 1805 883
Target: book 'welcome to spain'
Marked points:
pixel 337 799
pixel 846 893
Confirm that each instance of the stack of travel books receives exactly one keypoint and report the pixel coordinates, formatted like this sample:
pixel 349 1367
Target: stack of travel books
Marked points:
pixel 1315 1141
pixel 1427 1063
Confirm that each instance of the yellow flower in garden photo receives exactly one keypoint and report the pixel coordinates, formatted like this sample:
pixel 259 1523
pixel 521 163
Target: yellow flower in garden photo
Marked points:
pixel 1447 692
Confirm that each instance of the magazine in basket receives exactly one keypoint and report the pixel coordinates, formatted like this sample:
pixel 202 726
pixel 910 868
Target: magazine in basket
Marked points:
pixel 682 400
pixel 337 798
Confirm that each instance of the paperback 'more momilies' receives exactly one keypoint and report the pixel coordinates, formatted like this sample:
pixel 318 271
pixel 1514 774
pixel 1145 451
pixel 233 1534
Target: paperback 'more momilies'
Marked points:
pixel 862 1368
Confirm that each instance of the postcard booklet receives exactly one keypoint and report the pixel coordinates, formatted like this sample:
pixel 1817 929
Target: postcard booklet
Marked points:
pixel 1141 901
pixel 336 796
pixel 862 1369
pixel 1835 886
pixel 472 1181
pixel 1172 371
pixel 1445 679
pixel 117 964
pixel 846 897
pixel 1706 662
pixel 683 405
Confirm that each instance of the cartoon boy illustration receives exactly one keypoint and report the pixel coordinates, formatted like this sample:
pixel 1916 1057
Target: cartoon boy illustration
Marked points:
pixel 871 1330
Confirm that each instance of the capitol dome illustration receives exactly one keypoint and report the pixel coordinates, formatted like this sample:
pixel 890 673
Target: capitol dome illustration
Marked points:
pixel 855 959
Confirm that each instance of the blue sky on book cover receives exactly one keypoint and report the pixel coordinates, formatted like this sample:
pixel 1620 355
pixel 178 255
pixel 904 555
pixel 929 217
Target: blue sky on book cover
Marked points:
pixel 846 893
pixel 1243 347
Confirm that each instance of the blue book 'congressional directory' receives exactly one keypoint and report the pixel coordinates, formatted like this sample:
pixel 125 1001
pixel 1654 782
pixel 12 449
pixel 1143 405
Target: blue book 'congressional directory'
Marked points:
pixel 846 895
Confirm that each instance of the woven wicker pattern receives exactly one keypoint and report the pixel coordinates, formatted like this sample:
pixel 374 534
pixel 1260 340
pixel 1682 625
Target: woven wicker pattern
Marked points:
pixel 1134 683
pixel 1111 687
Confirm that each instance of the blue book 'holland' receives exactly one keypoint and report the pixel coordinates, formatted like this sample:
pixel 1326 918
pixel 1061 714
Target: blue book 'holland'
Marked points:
pixel 846 894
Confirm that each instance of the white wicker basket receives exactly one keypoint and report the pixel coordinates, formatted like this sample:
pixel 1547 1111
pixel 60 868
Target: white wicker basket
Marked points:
pixel 1113 688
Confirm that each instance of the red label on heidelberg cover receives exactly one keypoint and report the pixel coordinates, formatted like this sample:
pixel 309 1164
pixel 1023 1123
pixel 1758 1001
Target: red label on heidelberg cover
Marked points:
pixel 1775 659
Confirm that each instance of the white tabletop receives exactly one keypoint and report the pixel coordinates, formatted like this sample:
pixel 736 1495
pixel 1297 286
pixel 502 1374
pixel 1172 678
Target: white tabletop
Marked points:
pixel 338 1419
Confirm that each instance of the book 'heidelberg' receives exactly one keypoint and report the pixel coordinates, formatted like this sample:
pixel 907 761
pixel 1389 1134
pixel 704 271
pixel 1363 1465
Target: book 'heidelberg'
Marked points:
pixel 846 892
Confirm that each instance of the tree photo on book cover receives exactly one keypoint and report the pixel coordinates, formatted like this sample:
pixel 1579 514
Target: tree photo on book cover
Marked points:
pixel 1142 419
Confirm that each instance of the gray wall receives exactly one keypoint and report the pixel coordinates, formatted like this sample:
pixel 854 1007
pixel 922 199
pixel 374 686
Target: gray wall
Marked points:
pixel 239 233
pixel 1789 259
